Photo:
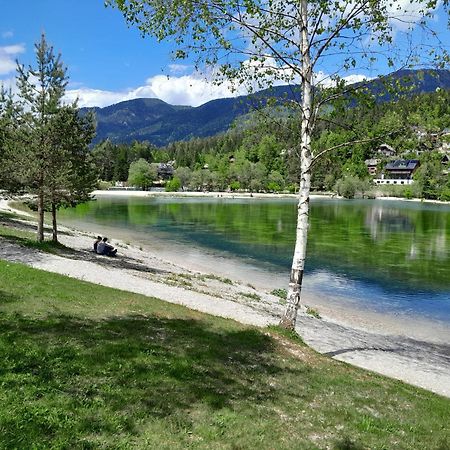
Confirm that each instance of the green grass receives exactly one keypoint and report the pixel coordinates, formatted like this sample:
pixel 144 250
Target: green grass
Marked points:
pixel 25 236
pixel 251 296
pixel 281 293
pixel 313 312
pixel 83 366
pixel 211 276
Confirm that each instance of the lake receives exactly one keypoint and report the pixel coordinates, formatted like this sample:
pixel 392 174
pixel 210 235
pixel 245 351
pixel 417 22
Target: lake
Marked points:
pixel 377 254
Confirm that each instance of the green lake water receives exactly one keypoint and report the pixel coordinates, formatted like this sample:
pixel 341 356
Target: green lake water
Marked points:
pixel 384 255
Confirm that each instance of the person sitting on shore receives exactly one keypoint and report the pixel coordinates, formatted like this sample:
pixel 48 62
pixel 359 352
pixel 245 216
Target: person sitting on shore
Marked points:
pixel 96 242
pixel 103 248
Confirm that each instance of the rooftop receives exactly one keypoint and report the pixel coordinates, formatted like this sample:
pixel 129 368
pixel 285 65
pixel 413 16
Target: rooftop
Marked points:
pixel 403 164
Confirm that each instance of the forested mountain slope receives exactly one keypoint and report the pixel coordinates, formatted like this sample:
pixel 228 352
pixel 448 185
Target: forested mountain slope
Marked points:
pixel 160 123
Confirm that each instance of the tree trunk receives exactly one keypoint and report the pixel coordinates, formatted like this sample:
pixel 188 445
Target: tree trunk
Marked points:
pixel 54 225
pixel 40 224
pixel 298 262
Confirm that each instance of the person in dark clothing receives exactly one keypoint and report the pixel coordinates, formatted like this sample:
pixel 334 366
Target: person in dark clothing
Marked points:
pixel 103 248
pixel 99 239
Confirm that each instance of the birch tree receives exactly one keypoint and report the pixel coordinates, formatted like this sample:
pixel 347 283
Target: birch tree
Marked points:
pixel 318 45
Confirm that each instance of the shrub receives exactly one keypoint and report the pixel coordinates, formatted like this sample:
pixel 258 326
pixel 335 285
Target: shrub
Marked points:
pixel 104 185
pixel 445 194
pixel 292 188
pixel 347 187
pixel 350 186
pixel 173 185
pixel 235 185
pixel 273 187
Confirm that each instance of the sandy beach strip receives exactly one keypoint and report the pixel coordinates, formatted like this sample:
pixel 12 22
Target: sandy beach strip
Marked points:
pixel 242 195
pixel 201 194
pixel 385 348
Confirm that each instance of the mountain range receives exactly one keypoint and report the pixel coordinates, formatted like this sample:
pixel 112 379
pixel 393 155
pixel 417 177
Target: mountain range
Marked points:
pixel 153 120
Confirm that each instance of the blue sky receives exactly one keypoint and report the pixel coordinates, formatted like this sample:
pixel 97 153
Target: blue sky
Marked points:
pixel 107 61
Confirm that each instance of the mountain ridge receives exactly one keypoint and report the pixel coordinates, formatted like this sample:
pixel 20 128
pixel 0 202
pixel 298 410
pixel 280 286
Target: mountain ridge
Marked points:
pixel 153 120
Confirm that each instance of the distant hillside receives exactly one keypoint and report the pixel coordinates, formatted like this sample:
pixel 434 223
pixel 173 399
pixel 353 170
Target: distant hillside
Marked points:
pixel 418 81
pixel 160 123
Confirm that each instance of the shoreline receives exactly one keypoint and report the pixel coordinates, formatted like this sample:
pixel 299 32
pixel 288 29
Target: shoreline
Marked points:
pixel 243 195
pixel 408 351
pixel 192 194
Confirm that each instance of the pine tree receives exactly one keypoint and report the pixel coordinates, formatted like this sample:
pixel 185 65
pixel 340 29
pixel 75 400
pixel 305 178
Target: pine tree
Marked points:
pixel 9 115
pixel 50 159
pixel 41 89
pixel 73 174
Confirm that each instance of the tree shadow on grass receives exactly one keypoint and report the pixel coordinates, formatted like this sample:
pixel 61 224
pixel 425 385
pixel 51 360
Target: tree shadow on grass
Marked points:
pixel 7 297
pixel 25 250
pixel 348 444
pixel 113 374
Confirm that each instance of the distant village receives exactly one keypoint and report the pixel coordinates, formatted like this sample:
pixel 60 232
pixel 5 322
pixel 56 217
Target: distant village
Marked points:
pixel 387 168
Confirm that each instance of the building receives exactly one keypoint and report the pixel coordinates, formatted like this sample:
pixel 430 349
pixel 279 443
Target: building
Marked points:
pixel 386 150
pixel 399 171
pixel 165 170
pixel 372 166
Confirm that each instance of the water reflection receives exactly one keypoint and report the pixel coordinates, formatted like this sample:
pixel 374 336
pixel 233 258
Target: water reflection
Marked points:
pixel 383 221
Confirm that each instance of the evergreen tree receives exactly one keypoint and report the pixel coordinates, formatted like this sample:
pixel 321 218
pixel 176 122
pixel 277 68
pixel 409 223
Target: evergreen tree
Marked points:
pixel 49 158
pixel 74 175
pixel 105 161
pixel 9 115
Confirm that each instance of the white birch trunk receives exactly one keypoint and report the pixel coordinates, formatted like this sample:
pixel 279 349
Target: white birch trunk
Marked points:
pixel 298 261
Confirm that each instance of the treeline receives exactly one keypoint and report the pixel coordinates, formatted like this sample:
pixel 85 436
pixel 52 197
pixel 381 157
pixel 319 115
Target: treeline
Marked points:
pixel 44 142
pixel 239 159
pixel 264 156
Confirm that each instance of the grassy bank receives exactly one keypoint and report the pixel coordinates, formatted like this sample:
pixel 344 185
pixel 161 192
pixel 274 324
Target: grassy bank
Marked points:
pixel 83 366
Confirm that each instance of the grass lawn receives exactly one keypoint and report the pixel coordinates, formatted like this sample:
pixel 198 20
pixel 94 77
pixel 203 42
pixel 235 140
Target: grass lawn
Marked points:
pixel 84 366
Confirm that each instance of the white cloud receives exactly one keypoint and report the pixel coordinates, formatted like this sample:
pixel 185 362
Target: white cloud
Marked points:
pixel 406 14
pixel 7 57
pixel 9 84
pixel 178 68
pixel 7 65
pixel 188 89
pixel 192 90
pixel 356 78
pixel 327 80
pixel 95 97
pixel 13 49
pixel 7 34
